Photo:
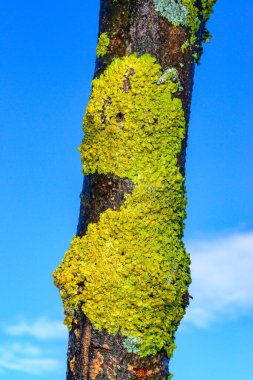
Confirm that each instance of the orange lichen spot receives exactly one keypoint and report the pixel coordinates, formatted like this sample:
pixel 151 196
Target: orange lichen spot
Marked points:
pixel 106 347
pixel 72 364
pixel 141 372
pixel 96 365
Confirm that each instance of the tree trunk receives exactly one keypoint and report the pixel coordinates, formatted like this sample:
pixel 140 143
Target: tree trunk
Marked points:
pixel 127 27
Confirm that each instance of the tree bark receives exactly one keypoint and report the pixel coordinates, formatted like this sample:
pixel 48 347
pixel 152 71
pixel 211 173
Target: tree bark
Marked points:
pixel 135 26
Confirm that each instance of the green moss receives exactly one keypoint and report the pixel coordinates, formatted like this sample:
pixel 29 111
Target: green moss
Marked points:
pixel 130 271
pixel 193 18
pixel 103 43
pixel 207 6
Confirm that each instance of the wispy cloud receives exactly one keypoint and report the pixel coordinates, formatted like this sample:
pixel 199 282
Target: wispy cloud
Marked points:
pixel 42 328
pixel 26 358
pixel 222 284
pixel 40 356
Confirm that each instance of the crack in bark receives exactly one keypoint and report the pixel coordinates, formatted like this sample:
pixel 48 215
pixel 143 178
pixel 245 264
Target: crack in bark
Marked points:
pixel 86 341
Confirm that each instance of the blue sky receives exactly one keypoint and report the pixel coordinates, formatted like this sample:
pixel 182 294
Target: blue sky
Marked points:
pixel 47 62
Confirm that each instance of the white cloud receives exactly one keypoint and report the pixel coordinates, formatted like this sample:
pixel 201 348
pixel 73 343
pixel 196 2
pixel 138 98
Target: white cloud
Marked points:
pixel 42 329
pixel 222 272
pixel 30 358
pixel 26 358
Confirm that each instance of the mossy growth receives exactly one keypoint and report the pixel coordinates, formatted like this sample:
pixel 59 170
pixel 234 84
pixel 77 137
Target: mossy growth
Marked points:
pixel 186 13
pixel 207 8
pixel 103 43
pixel 130 272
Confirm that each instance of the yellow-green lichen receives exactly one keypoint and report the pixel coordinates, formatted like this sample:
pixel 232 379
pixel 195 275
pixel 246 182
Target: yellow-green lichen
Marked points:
pixel 103 43
pixel 130 272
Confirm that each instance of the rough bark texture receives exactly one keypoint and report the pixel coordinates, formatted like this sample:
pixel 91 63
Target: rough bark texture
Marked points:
pixel 136 28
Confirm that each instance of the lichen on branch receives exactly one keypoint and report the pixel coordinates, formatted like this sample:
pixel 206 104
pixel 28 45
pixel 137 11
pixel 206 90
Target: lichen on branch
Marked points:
pixel 103 43
pixel 186 12
pixel 130 272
